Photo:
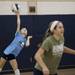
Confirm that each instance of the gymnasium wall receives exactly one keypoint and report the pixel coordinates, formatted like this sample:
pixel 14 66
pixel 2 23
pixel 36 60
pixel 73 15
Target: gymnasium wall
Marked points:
pixel 36 24
pixel 43 0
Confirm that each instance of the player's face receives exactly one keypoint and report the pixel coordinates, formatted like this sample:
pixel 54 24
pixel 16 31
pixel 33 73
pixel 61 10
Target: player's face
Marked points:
pixel 24 31
pixel 59 30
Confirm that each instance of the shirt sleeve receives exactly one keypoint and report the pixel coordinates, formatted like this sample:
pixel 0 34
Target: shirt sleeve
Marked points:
pixel 46 45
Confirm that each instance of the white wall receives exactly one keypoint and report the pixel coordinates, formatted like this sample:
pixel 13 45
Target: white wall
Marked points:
pixel 56 7
pixel 42 8
pixel 5 7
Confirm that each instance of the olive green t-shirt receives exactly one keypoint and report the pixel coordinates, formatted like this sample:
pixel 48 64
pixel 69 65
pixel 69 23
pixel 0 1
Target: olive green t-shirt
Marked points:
pixel 53 53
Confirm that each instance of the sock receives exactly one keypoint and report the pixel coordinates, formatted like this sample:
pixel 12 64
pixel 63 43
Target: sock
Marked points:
pixel 0 69
pixel 17 72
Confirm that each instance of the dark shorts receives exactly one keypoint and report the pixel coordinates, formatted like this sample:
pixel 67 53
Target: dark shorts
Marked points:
pixel 37 72
pixel 8 57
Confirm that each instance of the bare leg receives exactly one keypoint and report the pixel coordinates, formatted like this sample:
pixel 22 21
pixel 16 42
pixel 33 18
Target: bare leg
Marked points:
pixel 2 63
pixel 15 66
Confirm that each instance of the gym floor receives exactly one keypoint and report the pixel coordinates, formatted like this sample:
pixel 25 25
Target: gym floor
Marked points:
pixel 60 72
pixel 66 72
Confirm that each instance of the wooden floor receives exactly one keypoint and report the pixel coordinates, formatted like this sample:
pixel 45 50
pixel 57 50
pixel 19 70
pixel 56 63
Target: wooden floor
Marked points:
pixel 25 73
pixel 66 72
pixel 60 72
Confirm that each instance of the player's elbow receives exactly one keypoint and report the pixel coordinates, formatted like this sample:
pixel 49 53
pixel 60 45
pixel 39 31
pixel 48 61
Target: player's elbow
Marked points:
pixel 36 56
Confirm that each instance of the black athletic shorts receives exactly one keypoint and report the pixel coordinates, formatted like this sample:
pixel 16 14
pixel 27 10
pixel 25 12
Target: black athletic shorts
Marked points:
pixel 8 57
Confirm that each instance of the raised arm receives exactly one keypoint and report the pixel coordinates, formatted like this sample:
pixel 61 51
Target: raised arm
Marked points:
pixel 15 9
pixel 18 21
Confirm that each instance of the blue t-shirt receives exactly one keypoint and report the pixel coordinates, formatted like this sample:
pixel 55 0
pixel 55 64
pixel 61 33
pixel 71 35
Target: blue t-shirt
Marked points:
pixel 17 44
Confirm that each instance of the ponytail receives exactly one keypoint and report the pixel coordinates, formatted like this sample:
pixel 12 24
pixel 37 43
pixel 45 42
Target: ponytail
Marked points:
pixel 47 33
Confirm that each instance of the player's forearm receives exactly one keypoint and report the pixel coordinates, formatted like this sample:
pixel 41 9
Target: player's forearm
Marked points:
pixel 28 42
pixel 40 61
pixel 18 21
pixel 69 51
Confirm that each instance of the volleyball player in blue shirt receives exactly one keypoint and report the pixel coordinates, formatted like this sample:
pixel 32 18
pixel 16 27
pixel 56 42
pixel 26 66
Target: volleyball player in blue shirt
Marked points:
pixel 13 50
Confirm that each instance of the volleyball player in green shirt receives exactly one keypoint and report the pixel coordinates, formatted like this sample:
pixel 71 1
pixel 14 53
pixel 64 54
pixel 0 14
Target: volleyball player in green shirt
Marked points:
pixel 50 52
